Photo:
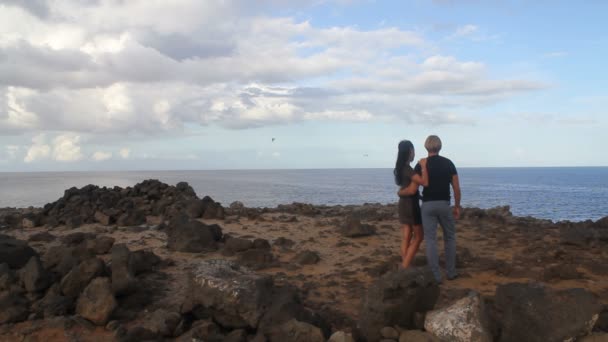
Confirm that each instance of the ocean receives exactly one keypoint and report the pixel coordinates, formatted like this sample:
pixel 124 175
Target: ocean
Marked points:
pixel 569 193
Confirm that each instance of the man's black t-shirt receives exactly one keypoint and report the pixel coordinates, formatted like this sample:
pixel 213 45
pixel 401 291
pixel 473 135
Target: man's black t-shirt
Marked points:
pixel 440 171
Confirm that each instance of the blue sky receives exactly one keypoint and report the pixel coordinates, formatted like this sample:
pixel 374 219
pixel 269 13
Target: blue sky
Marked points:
pixel 109 85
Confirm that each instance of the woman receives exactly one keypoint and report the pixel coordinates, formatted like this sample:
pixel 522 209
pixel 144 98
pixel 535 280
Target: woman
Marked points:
pixel 409 205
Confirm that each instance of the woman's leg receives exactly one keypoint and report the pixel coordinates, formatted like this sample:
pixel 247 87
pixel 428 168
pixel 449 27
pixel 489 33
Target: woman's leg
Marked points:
pixel 413 246
pixel 406 231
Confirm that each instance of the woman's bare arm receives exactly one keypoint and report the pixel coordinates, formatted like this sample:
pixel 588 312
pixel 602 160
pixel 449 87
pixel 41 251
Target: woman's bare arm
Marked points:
pixel 417 180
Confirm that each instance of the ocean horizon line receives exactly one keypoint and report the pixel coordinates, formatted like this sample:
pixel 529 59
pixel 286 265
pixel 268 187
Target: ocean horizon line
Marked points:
pixel 297 169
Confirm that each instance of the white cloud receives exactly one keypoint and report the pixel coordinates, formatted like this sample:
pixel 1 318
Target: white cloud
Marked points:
pixel 38 150
pixel 156 67
pixel 66 148
pixel 124 153
pixel 101 156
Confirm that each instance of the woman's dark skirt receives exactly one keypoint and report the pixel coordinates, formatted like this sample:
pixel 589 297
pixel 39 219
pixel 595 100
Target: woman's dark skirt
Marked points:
pixel 409 210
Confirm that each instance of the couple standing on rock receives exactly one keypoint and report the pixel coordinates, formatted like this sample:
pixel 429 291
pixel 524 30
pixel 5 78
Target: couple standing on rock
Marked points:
pixel 435 173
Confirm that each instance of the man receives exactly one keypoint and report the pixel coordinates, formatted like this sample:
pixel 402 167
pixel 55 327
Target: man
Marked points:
pixel 436 208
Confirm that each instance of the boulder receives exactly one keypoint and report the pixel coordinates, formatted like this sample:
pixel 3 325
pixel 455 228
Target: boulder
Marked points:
pixel 43 236
pixel 143 261
pixel 602 321
pixel 103 244
pixel 14 308
pixel 80 276
pixel 194 208
pixel 532 312
pixel 261 244
pixel 307 258
pixel 123 272
pixel 54 303
pixel 463 321
pixel 185 235
pixel 103 218
pixel 34 277
pixel 597 337
pixel 417 336
pixel 286 304
pixel 238 335
pixel 75 239
pixel 341 336
pixel 257 259
pixel 234 296
pixel 131 218
pixel 61 259
pixel 212 210
pixel 96 303
pixel 389 333
pixel 7 278
pixel 561 272
pixel 284 242
pixel 395 298
pixel 30 220
pixel 296 331
pixel 235 244
pixel 15 253
pixel 353 227
pixel 162 322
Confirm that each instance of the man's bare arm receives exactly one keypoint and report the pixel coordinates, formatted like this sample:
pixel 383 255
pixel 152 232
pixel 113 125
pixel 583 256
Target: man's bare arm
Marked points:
pixel 456 187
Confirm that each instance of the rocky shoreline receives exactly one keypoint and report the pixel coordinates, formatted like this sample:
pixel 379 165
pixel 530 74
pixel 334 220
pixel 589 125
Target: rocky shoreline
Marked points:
pixel 155 262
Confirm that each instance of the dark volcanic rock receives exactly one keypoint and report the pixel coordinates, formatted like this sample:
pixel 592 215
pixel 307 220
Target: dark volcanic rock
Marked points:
pixel 531 312
pixel 307 258
pixel 44 237
pixel 236 245
pixel 212 209
pixel 80 276
pixel 561 272
pixel 261 244
pixel 15 253
pixel 144 261
pixel 61 259
pixel 295 331
pixel 162 322
pixel 14 308
pixel 7 277
pixel 75 239
pixel 185 235
pixel 33 276
pixel 257 259
pixel 286 305
pixel 102 244
pixel 96 303
pixel 353 227
pixel 55 304
pixel 602 321
pixel 235 297
pixel 131 218
pixel 194 208
pixel 123 272
pixel 305 209
pixel 284 242
pixel 394 298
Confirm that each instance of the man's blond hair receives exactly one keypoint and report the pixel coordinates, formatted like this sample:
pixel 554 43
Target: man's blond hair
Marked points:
pixel 433 144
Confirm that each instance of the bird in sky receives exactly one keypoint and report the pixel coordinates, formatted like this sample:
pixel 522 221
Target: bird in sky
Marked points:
pixel 272 139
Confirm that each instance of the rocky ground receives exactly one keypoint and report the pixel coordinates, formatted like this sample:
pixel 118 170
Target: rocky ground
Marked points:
pixel 155 262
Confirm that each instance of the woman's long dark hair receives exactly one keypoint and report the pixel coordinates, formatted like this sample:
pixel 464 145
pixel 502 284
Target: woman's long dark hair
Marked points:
pixel 403 158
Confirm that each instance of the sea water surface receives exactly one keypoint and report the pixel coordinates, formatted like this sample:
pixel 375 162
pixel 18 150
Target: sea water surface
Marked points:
pixel 575 194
